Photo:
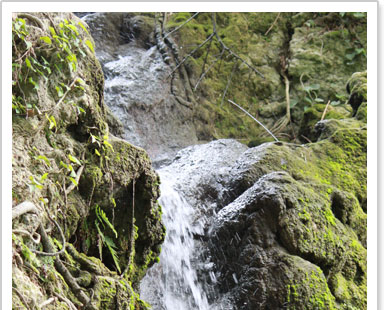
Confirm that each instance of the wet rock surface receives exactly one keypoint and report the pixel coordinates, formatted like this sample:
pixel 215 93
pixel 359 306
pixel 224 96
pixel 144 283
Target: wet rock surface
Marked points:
pixel 138 85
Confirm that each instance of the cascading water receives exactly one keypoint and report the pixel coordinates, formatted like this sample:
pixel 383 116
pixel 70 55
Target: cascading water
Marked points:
pixel 173 283
pixel 190 190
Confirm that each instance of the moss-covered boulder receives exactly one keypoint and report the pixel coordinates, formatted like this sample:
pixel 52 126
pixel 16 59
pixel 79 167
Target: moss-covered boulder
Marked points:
pixel 294 221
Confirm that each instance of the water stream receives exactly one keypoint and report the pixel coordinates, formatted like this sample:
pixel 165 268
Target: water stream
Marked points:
pixel 173 283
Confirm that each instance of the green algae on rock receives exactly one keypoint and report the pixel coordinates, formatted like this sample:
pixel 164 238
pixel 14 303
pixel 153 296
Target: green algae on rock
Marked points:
pixel 66 162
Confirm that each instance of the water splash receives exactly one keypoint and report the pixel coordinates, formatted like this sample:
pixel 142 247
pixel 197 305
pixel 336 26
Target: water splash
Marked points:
pixel 173 283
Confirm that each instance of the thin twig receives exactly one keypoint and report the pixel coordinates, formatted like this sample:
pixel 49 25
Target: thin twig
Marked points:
pixel 206 58
pixel 250 115
pixel 305 138
pixel 286 80
pixel 228 82
pixel 78 175
pixel 273 24
pixel 229 50
pixel 53 24
pixel 190 54
pixel 66 92
pixel 177 28
pixel 209 68
pixel 325 110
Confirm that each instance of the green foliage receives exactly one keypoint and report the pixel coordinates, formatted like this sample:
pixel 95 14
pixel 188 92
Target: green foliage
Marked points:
pixel 30 61
pixel 101 218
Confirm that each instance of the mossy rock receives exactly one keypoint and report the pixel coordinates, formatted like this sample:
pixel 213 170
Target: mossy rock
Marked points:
pixel 357 89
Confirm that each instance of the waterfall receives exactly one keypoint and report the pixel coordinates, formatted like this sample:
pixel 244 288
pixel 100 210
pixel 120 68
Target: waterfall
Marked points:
pixel 173 283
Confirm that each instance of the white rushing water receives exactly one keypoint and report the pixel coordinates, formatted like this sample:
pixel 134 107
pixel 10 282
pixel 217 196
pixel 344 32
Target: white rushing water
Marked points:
pixel 173 283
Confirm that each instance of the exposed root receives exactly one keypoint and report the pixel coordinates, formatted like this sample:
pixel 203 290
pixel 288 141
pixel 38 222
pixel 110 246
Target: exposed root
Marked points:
pixel 69 279
pixel 62 239
pixel 35 237
pixel 23 208
pixel 32 18
pixel 84 263
pixel 70 304
pixel 47 302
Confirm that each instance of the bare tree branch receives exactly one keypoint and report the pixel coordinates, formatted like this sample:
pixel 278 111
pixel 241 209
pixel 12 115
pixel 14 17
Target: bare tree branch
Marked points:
pixel 209 68
pixel 190 54
pixel 273 24
pixel 229 50
pixel 187 21
pixel 251 116
pixel 228 82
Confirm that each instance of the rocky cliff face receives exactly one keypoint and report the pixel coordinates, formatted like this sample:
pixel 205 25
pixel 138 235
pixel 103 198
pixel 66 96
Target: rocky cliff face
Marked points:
pixel 86 222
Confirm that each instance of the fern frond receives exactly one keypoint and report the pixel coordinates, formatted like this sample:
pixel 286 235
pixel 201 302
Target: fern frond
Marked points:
pixel 112 249
pixel 103 215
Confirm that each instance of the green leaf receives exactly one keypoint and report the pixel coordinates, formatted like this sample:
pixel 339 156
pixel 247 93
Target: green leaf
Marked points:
pixel 28 44
pixel 63 165
pixel 350 56
pixel 306 99
pixel 36 86
pixel 74 159
pixel 293 103
pixel 73 28
pixel 59 91
pixel 73 181
pixel 46 40
pixel 45 159
pixel 80 81
pixel 334 103
pixel 70 168
pixel 112 249
pixel 319 100
pixel 90 45
pixel 53 32
pixel 28 63
pixel 358 14
pixel 314 86
pixel 52 122
pixel 83 27
pixel 105 142
pixel 97 152
pixel 44 176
